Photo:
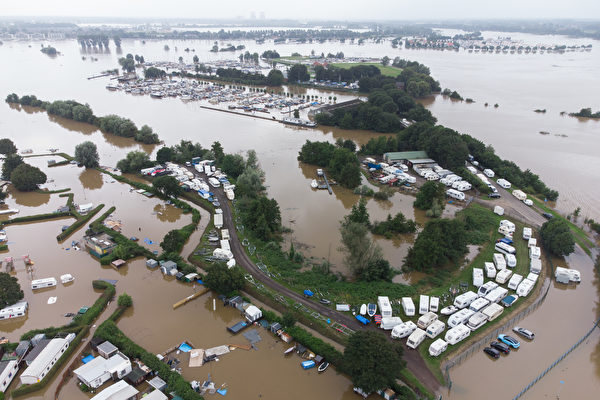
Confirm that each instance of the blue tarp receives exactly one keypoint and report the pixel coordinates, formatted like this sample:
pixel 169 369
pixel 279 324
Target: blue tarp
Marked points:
pixel 308 293
pixel 222 392
pixel 148 241
pixel 185 347
pixel 87 359
pixel 362 319
pixel 200 281
pixel 376 166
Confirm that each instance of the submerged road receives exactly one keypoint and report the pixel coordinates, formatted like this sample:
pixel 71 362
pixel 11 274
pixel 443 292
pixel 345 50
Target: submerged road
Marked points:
pixel 414 361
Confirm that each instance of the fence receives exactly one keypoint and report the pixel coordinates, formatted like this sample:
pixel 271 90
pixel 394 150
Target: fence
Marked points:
pixel 559 359
pixel 494 334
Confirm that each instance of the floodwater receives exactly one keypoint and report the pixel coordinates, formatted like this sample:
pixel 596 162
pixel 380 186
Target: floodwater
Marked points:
pixel 514 81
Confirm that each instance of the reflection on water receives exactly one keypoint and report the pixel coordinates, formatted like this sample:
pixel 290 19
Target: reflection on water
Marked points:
pixel 167 212
pixel 91 179
pixel 69 124
pixel 28 199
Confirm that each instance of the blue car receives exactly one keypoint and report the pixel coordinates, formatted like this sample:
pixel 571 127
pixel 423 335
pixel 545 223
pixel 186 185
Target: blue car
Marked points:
pixel 509 340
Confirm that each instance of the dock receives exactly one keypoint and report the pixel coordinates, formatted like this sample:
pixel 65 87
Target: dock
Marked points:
pixel 240 346
pixel 238 327
pixel 190 298
pixel 237 113
pixel 172 349
pixel 98 76
pixel 327 183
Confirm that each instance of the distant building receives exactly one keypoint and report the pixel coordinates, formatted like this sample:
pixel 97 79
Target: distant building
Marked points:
pixel 100 370
pixel 42 364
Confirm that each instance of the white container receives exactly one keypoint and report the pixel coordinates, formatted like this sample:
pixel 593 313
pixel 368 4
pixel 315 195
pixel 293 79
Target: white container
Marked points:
pixel 486 288
pixel 479 304
pixel 476 321
pixel 42 283
pixel 477 277
pixel 499 261
pixel 497 294
pixel 534 252
pixel 511 260
pixel 434 304
pixel 535 265
pixel 492 311
pixel 459 317
pixel 489 173
pixel 499 210
pixel 503 276
pixel 527 233
pixel 525 287
pixel 504 248
pixel 385 308
pixel 389 323
pixel 490 270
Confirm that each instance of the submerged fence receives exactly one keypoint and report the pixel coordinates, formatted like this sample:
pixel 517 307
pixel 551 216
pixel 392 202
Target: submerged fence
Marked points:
pixel 559 359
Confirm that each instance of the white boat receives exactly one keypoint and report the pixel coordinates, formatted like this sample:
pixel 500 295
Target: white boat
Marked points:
pixel 290 350
pixel 319 172
pixel 3 237
pixel 371 309
pixel 363 309
pixel 314 184
pixel 51 300
pixel 9 211
pixel 448 310
pixel 66 278
pixel 324 365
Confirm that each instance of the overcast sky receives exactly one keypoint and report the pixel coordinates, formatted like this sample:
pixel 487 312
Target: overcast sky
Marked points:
pixel 307 9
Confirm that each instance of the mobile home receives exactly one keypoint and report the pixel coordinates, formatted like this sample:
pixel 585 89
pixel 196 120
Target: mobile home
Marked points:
pixel 490 270
pixel 504 183
pixel 492 311
pixel 489 173
pixel 438 347
pixel 384 306
pixel 479 304
pixel 42 283
pixel 514 281
pixel 455 194
pixel 435 328
pixel 465 299
pixel 497 294
pixel 505 230
pixel 408 306
pixel 218 221
pixel 519 194
pixel 477 277
pixel 503 276
pixel 389 323
pixel 532 242
pixel 525 288
pixel 460 317
pixel 510 225
pixel 535 265
pixel 527 233
pixel 499 261
pixel 434 303
pixel 486 288
pixel 476 321
pixel 416 338
pixel 498 210
pixel 504 248
pixel 214 182
pixel 426 320
pixel 457 334
pixel 14 311
pixel 511 260
pixel 423 304
pixel 403 330
pixel 532 277
pixel 534 252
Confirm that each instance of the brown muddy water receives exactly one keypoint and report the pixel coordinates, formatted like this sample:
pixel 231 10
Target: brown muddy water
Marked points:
pixel 514 81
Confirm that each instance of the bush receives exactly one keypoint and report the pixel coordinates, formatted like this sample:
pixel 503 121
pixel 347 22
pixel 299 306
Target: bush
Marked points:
pixel 79 223
pixel 557 237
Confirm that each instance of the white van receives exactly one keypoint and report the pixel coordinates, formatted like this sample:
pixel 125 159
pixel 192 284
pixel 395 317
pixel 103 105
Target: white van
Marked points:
pixel 456 334
pixel 510 225
pixel 499 261
pixel 527 233
pixel 525 287
pixel 497 294
pixel 505 230
pixel 427 319
pixel 408 306
pixel 460 317
pixel 42 283
pixel 489 173
pixel 465 299
pixel 490 270
pixel 504 183
pixel 486 288
pixel 503 276
pixel 535 252
pixel 416 338
pixel 385 309
pixel 479 304
pixel 504 248
pixel 535 265
pixel 514 281
pixel 423 304
pixel 476 321
pixel 435 329
pixel 438 347
pixel 477 277
pixel 519 194
pixel 389 323
pixel 492 311
pixel 511 260
pixel 434 304
pixel 403 330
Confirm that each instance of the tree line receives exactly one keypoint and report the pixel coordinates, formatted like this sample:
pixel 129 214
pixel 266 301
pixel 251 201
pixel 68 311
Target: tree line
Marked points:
pixel 23 176
pixel 75 111
pixel 340 160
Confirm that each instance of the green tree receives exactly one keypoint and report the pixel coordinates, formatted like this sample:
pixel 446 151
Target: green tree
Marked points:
pixel 11 161
pixel 358 247
pixel 298 73
pixel 217 150
pixel 364 362
pixel 377 269
pixel 252 159
pixel 557 237
pixel 27 178
pixel 233 165
pixel 224 280
pixel 86 153
pixel 7 146
pixel 275 78
pixel 195 59
pixel 10 290
pixel 164 154
pixel 250 183
pixel 124 300
pixel 429 192
pixel 261 215
pixel 296 113
pixel 154 73
pixel 128 64
pixel 134 162
pixel 146 135
pixel 385 61
pixel 359 213
pixel 172 242
pixel 167 186
pixel 288 320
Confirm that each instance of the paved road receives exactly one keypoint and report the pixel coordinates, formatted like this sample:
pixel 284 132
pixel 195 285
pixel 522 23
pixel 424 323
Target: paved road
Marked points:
pixel 415 362
pixel 514 207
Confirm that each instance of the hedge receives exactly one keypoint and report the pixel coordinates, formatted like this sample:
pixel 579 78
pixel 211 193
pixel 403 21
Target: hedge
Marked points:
pixel 3 247
pixel 37 217
pixel 52 191
pixel 26 389
pixel 78 224
pixel 92 313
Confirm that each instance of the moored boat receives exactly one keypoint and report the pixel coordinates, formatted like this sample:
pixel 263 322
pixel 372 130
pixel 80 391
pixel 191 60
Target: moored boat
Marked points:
pixel 363 309
pixel 371 309
pixel 290 350
pixel 314 184
pixel 448 310
pixel 3 237
pixel 324 365
pixel 66 278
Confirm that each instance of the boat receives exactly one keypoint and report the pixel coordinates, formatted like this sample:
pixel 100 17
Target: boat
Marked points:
pixel 3 237
pixel 371 309
pixel 9 211
pixel 363 309
pixel 308 364
pixel 324 365
pixel 290 350
pixel 298 122
pixel 66 278
pixel 448 310
pixel 319 172
pixel 51 300
pixel 314 184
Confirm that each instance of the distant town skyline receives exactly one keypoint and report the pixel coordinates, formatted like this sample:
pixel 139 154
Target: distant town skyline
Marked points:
pixel 352 10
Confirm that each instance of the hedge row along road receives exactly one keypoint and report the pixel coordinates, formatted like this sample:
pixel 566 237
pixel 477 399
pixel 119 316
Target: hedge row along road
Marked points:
pixel 413 359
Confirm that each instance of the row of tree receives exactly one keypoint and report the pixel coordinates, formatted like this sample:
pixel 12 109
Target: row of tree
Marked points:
pixel 71 109
pixel 340 160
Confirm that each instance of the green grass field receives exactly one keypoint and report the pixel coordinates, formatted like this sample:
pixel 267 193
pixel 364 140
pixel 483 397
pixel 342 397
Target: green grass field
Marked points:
pixel 385 70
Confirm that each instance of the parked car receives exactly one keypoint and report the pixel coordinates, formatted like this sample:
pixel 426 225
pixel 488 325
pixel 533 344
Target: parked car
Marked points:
pixel 509 340
pixel 501 347
pixel 491 352
pixel 528 202
pixel 547 215
pixel 495 195
pixel 324 301
pixel 526 333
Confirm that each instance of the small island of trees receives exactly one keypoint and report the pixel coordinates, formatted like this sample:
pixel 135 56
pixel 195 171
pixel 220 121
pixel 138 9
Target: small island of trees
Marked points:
pixel 586 113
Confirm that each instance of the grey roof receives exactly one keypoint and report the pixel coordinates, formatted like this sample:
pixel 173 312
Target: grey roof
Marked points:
pixel 157 383
pixel 36 350
pixel 22 348
pixel 107 347
pixel 169 264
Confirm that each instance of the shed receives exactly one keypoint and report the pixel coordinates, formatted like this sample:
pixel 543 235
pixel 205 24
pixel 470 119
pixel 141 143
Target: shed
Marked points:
pixel 136 376
pixel 156 395
pixel 37 338
pixel 275 327
pixel 285 337
pixel 300 349
pixel 95 342
pixel 151 263
pixel 22 348
pixel 107 349
pixel 318 359
pixel 157 383
pixel 253 313
pixel 404 155
pixel 168 266
pixel 118 263
pixel 42 364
